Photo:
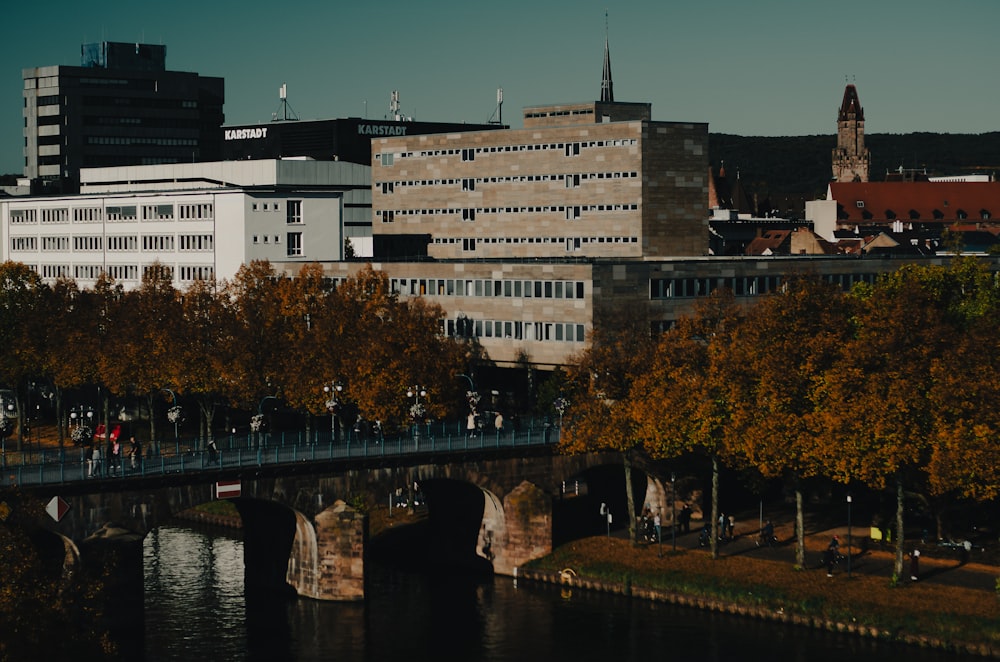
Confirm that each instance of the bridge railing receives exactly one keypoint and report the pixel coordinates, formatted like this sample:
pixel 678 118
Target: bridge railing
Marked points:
pixel 258 449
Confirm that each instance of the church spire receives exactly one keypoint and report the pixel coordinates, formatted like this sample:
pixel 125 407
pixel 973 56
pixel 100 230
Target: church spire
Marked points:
pixel 607 87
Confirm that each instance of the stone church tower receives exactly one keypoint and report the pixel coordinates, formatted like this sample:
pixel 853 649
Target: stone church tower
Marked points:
pixel 851 160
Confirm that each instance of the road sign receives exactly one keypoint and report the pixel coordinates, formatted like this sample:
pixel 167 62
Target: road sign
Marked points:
pixel 227 489
pixel 56 508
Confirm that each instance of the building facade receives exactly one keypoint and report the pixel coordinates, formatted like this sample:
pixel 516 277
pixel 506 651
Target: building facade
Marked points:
pixel 590 180
pixel 120 107
pixel 198 221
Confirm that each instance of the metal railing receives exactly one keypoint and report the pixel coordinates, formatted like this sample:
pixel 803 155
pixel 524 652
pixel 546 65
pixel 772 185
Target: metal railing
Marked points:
pixel 62 466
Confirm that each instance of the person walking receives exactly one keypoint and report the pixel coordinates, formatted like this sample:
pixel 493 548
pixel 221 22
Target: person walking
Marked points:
pixel 498 422
pixel 470 424
pixel 95 458
pixel 914 564
pixel 830 555
pixel 685 518
pixel 116 457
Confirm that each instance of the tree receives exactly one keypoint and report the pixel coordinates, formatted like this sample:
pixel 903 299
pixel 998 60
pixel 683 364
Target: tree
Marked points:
pixel 154 316
pixel 787 342
pixel 599 385
pixel 205 345
pixel 21 296
pixel 877 421
pixel 682 400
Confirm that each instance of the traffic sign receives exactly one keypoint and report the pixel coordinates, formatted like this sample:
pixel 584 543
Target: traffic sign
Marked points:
pixel 57 508
pixel 227 489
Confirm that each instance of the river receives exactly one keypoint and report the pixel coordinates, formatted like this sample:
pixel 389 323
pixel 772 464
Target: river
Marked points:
pixel 196 609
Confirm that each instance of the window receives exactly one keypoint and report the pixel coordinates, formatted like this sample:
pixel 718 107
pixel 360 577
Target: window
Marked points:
pixel 386 158
pixel 860 204
pixel 469 244
pixel 468 154
pixel 293 212
pixel 468 184
pixel 294 243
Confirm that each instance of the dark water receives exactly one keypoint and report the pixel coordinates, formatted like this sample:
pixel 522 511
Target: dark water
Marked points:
pixel 196 609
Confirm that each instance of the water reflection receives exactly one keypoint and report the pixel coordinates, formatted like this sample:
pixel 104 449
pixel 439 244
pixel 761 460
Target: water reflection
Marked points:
pixel 195 606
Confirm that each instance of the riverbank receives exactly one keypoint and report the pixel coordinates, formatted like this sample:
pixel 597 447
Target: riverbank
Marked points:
pixel 927 614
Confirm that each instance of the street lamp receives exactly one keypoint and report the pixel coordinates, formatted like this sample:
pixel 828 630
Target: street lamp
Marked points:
pixel 333 391
pixel 5 415
pixel 673 509
pixel 417 409
pixel 606 512
pixel 176 416
pixel 848 535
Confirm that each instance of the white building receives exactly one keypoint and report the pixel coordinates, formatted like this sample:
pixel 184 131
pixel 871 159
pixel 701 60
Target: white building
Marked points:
pixel 199 220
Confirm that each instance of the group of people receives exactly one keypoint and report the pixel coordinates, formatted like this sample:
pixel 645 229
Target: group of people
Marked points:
pixel 475 423
pixel 114 455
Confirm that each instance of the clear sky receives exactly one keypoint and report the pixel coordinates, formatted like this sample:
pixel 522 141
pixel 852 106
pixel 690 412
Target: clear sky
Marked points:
pixel 748 67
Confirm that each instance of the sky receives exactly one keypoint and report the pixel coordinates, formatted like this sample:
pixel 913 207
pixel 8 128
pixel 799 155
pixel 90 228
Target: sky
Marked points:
pixel 746 67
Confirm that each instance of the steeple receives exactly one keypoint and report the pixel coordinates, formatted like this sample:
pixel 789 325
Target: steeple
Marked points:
pixel 607 87
pixel 851 159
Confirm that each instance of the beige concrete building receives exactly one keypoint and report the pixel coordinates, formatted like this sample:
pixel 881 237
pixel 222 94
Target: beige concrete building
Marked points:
pixel 589 180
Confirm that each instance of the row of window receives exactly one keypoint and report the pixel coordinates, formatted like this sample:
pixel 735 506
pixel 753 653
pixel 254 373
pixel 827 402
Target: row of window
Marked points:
pixel 464 327
pixel 571 212
pixel 135 140
pixel 572 180
pixel 114 243
pixel 671 288
pixel 469 153
pixel 162 212
pixel 123 272
pixel 293 242
pixel 480 287
pixel 572 243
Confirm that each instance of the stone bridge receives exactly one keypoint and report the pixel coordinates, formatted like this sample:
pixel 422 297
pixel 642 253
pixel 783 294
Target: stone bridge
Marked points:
pixel 306 526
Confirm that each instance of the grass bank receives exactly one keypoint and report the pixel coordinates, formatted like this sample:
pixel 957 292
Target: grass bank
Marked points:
pixel 929 614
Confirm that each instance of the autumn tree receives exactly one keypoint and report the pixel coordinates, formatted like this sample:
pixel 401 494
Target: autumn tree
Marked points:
pixel 154 315
pixel 787 342
pixel 599 391
pixel 965 453
pixel 21 295
pixel 877 420
pixel 681 400
pixel 205 343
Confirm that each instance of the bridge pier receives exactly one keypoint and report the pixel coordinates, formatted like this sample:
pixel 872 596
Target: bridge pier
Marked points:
pixel 326 561
pixel 518 531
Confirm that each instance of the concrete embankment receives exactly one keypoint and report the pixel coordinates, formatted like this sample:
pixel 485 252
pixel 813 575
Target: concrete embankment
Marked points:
pixel 570 579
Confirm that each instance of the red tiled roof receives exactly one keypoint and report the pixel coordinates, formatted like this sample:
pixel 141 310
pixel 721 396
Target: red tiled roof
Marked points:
pixel 923 202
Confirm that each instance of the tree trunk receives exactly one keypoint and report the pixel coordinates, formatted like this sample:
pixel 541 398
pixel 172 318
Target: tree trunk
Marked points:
pixel 800 530
pixel 715 507
pixel 898 565
pixel 60 428
pixel 629 499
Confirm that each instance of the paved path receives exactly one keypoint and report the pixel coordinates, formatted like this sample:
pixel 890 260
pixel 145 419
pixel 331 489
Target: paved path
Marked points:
pixel 937 564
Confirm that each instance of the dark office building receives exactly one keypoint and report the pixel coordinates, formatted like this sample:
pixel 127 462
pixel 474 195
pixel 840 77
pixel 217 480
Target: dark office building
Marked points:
pixel 120 107
pixel 348 139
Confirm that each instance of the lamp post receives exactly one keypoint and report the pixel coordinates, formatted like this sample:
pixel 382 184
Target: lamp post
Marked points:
pixel 673 509
pixel 848 535
pixel 417 410
pixel 175 415
pixel 5 416
pixel 333 391
pixel 257 422
pixel 606 512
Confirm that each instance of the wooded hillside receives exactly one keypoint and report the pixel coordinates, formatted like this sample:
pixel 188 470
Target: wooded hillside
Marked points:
pixel 801 164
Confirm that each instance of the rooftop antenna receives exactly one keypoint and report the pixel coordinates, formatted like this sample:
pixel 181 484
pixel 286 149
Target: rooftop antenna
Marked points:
pixel 285 108
pixel 497 116
pixel 394 113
